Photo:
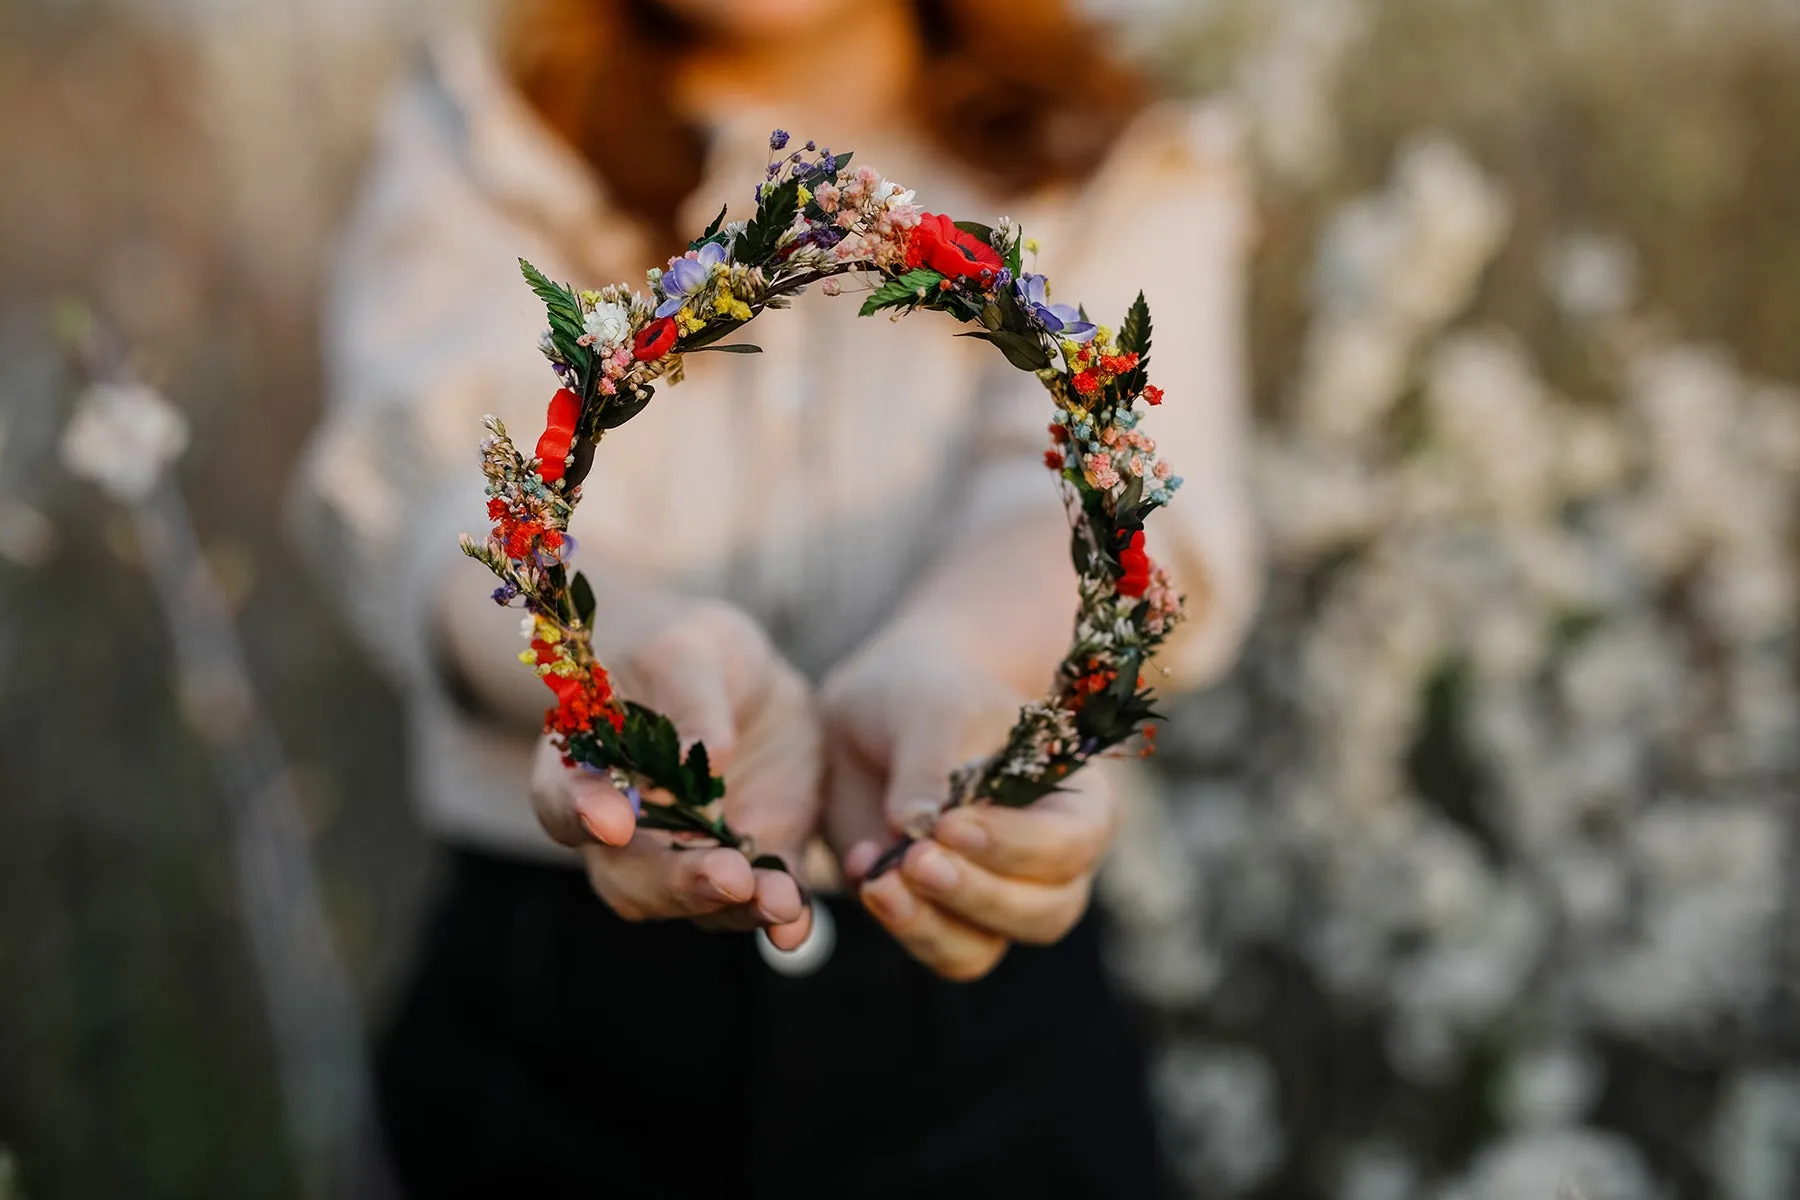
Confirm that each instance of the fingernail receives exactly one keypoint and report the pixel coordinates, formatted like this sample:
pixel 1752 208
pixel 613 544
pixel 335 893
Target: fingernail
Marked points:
pixel 932 868
pixel 862 856
pixel 962 832
pixel 712 891
pixel 588 824
pixel 890 899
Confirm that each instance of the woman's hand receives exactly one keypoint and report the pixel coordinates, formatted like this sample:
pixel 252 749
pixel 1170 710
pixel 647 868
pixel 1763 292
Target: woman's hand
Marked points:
pixel 715 674
pixel 899 718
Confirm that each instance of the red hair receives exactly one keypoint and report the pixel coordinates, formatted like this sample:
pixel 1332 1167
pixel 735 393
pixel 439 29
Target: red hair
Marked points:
pixel 1016 91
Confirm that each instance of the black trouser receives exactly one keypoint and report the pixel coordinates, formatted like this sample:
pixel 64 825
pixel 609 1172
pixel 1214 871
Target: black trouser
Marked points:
pixel 544 1048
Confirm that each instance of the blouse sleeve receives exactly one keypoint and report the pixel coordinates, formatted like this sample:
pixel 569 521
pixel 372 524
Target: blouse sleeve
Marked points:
pixel 423 326
pixel 1170 212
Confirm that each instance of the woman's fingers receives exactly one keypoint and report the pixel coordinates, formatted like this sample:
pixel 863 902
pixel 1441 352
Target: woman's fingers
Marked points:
pixel 1055 841
pixel 649 880
pixel 776 906
pixel 577 807
pixel 943 942
pixel 1022 910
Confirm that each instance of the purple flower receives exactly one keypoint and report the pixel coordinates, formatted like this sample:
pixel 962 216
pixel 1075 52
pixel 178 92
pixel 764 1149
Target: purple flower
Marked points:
pixel 505 593
pixel 637 801
pixel 686 276
pixel 822 236
pixel 778 140
pixel 563 553
pixel 1063 320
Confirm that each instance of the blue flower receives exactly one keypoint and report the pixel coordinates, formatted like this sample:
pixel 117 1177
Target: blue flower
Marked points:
pixel 778 140
pixel 1062 320
pixel 505 593
pixel 686 276
pixel 549 558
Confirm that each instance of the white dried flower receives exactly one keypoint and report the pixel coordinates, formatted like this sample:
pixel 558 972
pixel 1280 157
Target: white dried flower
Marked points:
pixel 609 323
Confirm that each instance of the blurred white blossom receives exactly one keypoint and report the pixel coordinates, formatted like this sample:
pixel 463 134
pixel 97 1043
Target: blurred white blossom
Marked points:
pixel 122 438
pixel 1229 1093
pixel 1505 772
pixel 1756 1138
pixel 1576 1164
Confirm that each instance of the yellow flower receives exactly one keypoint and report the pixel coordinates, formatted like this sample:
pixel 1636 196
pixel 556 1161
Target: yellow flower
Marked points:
pixel 803 195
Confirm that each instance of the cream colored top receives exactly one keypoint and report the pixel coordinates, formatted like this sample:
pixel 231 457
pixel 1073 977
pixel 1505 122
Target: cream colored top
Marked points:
pixel 808 485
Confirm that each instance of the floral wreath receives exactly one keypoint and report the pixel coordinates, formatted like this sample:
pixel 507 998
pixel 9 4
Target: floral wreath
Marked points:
pixel 816 221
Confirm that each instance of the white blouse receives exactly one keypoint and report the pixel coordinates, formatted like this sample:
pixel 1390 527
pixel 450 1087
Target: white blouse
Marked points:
pixel 808 485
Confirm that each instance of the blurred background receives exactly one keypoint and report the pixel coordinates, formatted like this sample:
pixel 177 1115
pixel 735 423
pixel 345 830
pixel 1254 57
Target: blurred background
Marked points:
pixel 1474 881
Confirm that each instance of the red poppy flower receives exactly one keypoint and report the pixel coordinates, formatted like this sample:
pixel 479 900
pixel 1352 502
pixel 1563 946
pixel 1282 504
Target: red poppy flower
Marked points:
pixel 559 434
pixel 1136 580
pixel 937 243
pixel 654 340
pixel 1153 394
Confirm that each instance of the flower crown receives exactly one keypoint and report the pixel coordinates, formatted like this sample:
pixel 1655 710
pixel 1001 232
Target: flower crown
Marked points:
pixel 816 221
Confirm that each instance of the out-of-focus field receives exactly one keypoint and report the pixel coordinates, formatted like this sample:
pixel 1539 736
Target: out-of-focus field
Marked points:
pixel 1475 881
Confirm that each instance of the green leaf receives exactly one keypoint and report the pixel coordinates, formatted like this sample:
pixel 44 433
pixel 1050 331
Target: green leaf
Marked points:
pixel 1015 791
pixel 756 243
pixel 1081 550
pixel 1134 338
pixel 1012 317
pixel 622 407
pixel 735 348
pixel 1131 496
pixel 1023 352
pixel 1134 334
pixel 697 774
pixel 984 232
pixel 650 741
pixel 902 290
pixel 563 309
pixel 583 594
pixel 711 230
pixel 717 331
pixel 584 462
